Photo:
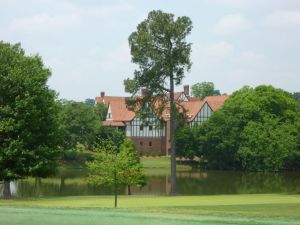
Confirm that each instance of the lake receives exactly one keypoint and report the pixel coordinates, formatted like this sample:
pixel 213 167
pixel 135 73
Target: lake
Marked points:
pixel 72 182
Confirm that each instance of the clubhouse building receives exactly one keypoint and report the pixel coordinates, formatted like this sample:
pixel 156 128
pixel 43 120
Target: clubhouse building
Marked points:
pixel 154 134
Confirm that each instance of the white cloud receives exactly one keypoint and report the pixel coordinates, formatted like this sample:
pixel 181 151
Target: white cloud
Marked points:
pixel 232 23
pixel 218 50
pixel 246 4
pixel 117 60
pixel 45 22
pixel 210 55
pixel 110 10
pixel 235 3
pixel 249 58
pixel 284 19
pixel 221 49
pixel 67 15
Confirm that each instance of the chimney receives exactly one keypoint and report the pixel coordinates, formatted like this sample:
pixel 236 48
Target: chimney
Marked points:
pixel 186 90
pixel 102 94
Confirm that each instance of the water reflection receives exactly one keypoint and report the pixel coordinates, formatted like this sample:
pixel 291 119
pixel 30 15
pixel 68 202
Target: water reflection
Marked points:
pixel 73 182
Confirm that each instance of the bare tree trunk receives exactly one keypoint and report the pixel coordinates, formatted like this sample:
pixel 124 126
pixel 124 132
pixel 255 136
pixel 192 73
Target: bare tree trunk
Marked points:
pixel 6 190
pixel 172 137
pixel 129 190
pixel 116 190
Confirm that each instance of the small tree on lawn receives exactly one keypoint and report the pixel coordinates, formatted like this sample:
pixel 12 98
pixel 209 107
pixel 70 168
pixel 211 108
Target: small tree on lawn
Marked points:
pixel 115 168
pixel 135 176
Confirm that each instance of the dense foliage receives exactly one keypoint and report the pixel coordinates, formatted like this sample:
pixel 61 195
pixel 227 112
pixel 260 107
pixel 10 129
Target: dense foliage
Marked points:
pixel 101 111
pixel 89 101
pixel 186 142
pixel 108 134
pixel 256 129
pixel 296 96
pixel 78 124
pixel 28 123
pixel 204 89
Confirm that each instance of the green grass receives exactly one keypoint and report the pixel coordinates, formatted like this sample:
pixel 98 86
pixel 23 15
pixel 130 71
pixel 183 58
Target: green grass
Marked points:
pixel 222 209
pixel 157 166
pixel 35 216
pixel 160 162
pixel 160 165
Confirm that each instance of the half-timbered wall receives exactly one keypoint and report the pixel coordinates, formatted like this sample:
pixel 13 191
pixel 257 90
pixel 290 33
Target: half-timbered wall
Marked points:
pixel 202 115
pixel 151 127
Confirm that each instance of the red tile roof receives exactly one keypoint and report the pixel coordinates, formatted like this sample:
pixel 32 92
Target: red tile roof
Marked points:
pixel 215 102
pixel 121 113
pixel 192 108
pixel 107 99
pixel 113 123
pixel 118 107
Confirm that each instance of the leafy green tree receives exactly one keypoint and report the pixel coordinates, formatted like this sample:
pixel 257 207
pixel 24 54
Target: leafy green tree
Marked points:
pixel 108 134
pixel 186 142
pixel 160 49
pixel 296 96
pixel 101 111
pixel 293 161
pixel 252 124
pixel 89 101
pixel 29 134
pixel 78 123
pixel 115 167
pixel 267 145
pixel 204 89
pixel 136 177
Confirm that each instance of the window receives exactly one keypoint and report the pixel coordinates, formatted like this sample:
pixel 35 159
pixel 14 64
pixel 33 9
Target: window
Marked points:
pixel 141 143
pixel 109 115
pixel 141 128
pixel 150 128
pixel 150 143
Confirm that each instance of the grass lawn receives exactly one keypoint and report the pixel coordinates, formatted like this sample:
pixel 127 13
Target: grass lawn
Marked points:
pixel 162 162
pixel 225 209
pixel 157 166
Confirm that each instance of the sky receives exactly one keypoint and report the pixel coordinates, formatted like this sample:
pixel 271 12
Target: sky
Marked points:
pixel 85 43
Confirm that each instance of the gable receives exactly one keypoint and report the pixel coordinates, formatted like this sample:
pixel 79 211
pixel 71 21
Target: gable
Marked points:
pixel 204 113
pixel 183 98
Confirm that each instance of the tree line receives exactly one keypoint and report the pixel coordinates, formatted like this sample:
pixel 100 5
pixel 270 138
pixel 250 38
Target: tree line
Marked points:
pixel 257 129
pixel 37 131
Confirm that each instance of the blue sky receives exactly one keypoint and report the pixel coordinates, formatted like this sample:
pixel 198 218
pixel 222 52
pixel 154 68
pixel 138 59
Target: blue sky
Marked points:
pixel 235 42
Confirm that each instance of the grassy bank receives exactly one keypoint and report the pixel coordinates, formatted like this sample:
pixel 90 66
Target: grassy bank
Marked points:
pixel 151 165
pixel 161 162
pixel 225 209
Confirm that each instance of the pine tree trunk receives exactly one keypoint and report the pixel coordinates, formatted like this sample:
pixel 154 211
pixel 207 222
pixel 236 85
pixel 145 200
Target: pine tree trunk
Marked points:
pixel 6 190
pixel 116 198
pixel 172 137
pixel 129 190
pixel 116 190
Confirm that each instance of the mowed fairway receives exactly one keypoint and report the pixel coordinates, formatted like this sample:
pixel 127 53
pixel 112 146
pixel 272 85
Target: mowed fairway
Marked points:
pixel 226 209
